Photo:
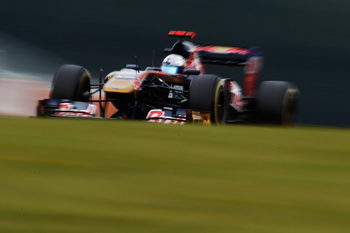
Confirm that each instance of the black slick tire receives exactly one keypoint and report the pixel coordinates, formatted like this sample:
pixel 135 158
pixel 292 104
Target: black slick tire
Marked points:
pixel 207 95
pixel 71 82
pixel 277 102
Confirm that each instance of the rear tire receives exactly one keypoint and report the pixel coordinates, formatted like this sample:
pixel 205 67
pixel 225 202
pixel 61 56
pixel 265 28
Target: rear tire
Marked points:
pixel 207 95
pixel 277 102
pixel 71 82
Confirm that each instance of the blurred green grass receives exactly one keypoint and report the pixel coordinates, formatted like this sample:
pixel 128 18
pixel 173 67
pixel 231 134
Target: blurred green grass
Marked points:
pixel 70 175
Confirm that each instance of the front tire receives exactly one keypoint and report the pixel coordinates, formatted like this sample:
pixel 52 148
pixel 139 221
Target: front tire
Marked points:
pixel 207 95
pixel 71 82
pixel 277 102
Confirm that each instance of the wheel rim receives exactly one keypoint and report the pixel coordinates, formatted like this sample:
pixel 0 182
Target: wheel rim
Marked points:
pixel 83 92
pixel 290 107
pixel 219 104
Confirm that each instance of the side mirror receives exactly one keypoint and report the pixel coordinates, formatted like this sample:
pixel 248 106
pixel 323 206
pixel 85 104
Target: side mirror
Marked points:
pixel 191 72
pixel 133 66
pixel 152 69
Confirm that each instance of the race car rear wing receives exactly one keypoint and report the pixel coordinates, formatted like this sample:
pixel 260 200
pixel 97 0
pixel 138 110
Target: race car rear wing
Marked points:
pixel 233 56
pixel 219 55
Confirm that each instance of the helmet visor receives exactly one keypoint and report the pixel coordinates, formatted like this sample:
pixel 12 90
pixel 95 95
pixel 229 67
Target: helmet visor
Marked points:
pixel 170 69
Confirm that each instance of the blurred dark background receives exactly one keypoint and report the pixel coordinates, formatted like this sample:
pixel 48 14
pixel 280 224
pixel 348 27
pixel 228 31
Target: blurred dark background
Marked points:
pixel 304 41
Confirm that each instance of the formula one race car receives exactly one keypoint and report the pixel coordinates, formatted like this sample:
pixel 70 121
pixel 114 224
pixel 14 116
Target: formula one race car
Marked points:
pixel 178 92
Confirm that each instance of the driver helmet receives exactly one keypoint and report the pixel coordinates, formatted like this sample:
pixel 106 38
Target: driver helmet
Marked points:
pixel 173 64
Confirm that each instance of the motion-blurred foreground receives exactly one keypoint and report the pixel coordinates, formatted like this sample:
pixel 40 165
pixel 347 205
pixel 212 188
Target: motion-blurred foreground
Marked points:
pixel 127 176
